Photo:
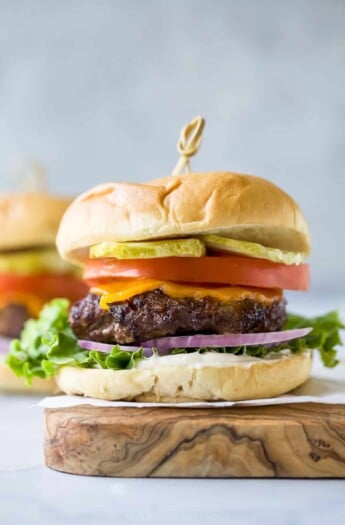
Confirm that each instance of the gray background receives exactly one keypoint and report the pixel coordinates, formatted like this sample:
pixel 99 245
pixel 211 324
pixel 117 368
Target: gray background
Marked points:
pixel 98 91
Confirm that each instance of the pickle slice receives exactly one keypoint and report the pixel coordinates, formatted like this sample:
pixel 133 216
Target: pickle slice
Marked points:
pixel 33 262
pixel 149 249
pixel 253 249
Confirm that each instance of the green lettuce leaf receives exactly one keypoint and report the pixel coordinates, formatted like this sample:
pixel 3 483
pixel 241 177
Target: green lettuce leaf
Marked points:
pixel 325 336
pixel 48 343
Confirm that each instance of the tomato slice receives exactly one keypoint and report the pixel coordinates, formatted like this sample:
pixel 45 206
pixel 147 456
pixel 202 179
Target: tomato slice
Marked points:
pixel 46 286
pixel 240 271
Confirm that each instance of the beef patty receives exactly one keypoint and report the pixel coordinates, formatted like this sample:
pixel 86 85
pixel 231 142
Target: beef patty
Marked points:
pixel 12 319
pixel 154 314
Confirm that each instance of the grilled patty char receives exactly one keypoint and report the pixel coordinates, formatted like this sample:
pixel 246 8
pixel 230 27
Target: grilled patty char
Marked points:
pixel 12 319
pixel 154 314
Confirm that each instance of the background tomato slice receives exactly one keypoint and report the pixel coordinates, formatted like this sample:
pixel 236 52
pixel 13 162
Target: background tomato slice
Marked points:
pixel 46 286
pixel 240 271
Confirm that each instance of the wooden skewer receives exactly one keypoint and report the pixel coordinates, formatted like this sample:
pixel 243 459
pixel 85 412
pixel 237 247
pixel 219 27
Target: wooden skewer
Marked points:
pixel 189 144
pixel 30 175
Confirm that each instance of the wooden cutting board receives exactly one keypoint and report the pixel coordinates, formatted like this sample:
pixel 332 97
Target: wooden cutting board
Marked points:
pixel 286 441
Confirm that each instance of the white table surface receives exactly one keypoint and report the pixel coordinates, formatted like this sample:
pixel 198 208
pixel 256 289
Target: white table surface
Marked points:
pixel 31 494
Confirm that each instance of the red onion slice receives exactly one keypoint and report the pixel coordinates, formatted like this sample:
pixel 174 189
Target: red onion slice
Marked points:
pixel 4 345
pixel 106 348
pixel 223 340
pixel 165 344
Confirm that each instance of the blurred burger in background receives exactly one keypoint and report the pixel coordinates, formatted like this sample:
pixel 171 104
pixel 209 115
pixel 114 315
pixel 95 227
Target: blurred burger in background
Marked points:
pixel 31 271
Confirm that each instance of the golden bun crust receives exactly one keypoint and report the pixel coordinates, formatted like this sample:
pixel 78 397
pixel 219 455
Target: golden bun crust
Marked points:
pixel 179 383
pixel 10 383
pixel 238 206
pixel 29 219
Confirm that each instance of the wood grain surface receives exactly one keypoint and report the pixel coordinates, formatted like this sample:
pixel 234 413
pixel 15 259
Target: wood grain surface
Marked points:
pixel 304 440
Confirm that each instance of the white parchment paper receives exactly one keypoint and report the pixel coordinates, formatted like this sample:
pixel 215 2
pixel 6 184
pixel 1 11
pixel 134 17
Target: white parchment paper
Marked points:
pixel 325 386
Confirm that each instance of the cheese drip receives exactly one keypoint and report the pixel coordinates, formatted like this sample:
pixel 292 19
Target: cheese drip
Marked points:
pixel 32 302
pixel 121 290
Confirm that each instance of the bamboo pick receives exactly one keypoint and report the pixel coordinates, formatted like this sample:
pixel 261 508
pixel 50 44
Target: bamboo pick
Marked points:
pixel 30 176
pixel 189 143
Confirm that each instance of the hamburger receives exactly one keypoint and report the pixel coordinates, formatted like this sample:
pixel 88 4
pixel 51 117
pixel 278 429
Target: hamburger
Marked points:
pixel 31 271
pixel 186 278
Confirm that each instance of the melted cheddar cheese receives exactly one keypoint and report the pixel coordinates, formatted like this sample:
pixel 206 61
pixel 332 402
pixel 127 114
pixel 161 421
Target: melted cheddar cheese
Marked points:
pixel 121 290
pixel 33 303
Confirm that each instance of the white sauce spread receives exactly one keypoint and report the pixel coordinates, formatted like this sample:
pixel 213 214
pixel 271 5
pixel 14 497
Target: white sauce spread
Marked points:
pixel 214 359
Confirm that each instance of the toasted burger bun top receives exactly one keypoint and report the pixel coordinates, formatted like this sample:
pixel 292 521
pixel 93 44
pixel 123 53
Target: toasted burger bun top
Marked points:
pixel 238 206
pixel 29 219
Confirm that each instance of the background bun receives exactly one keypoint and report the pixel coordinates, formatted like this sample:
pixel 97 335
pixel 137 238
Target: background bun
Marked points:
pixel 178 383
pixel 9 382
pixel 238 206
pixel 29 219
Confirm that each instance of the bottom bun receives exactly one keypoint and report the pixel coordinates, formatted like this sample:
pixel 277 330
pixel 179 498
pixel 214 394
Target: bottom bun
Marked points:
pixel 192 377
pixel 9 382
